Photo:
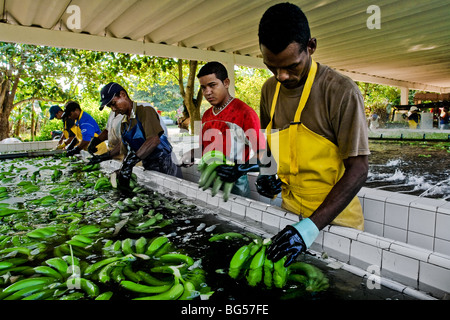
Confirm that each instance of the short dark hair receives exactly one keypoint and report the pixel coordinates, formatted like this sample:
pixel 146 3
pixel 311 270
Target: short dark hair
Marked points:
pixel 214 67
pixel 70 106
pixel 281 25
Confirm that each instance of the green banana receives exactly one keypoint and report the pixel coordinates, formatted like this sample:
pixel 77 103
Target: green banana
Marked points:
pixel 189 291
pixel 41 295
pixel 127 245
pixel 268 270
pixel 25 283
pixel 177 258
pixel 130 274
pixel 91 289
pixel 88 229
pixel 255 273
pixel 58 264
pixel 48 271
pixel 82 238
pixel 5 265
pixel 104 273
pixel 156 244
pixel 212 177
pixel 280 273
pixel 136 287
pixel 173 294
pixel 20 294
pixel 238 260
pixel 149 279
pixel 216 186
pixel 94 267
pixel 227 186
pixel 140 245
pixel 147 223
pixel 117 274
pixel 205 175
pixel 104 296
pixel 227 236
pixel 73 296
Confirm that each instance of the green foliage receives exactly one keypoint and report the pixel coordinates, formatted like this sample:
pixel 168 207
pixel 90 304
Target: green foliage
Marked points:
pixel 46 130
pixel 249 83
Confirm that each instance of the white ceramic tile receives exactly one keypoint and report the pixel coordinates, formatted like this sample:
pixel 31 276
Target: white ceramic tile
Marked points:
pixel 373 227
pixel 345 232
pixel 270 219
pixel 420 240
pixel 427 203
pixel 374 210
pixel 254 214
pixel 363 255
pixel 443 226
pixel 374 240
pixel 397 266
pixel 396 215
pixel 422 221
pixel 441 260
pixel 444 209
pixel 213 201
pixel 433 276
pixel 400 199
pixel 409 250
pixel 395 233
pixel 442 246
pixel 337 247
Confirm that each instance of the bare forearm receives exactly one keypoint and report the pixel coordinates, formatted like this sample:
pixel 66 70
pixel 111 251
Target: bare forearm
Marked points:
pixel 343 192
pixel 148 147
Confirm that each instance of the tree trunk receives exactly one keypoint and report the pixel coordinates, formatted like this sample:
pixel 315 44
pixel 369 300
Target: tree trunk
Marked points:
pixel 187 93
pixel 4 125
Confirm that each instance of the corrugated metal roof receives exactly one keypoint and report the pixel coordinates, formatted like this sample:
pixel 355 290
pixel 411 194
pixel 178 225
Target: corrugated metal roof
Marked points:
pixel 411 46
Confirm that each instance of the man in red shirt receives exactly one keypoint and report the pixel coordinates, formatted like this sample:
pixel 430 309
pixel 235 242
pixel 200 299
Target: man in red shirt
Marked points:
pixel 229 126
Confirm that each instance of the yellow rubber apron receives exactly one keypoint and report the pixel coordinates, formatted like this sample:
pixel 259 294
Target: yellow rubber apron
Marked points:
pixel 309 165
pixel 101 148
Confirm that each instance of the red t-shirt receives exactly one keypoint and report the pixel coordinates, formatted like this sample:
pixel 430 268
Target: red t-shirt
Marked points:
pixel 235 131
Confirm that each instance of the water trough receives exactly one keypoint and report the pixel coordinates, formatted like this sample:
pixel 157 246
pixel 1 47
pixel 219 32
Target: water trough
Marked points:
pixel 405 245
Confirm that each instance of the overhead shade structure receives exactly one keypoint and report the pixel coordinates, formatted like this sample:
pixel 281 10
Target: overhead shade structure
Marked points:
pixel 402 43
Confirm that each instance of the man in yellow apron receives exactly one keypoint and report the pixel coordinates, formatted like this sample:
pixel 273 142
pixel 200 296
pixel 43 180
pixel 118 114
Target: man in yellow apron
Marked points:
pixel 316 132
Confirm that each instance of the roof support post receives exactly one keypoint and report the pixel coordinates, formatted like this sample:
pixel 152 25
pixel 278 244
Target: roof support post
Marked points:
pixel 404 96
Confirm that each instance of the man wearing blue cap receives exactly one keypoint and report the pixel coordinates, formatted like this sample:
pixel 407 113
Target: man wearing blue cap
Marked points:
pixel 68 135
pixel 143 137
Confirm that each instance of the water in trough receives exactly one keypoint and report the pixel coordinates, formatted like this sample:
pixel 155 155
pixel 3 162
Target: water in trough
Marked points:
pixel 415 168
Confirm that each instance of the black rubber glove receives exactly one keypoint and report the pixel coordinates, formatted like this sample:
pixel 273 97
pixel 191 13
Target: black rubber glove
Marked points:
pixel 73 151
pixel 124 174
pixel 102 157
pixel 268 185
pixel 92 148
pixel 231 173
pixel 72 144
pixel 288 242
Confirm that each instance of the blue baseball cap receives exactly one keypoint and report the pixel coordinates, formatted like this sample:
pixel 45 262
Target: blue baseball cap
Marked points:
pixel 108 92
pixel 54 110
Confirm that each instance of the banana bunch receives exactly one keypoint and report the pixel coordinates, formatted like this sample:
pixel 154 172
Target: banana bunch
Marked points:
pixel 56 175
pixel 250 261
pixel 102 184
pixel 56 279
pixel 4 194
pixel 90 167
pixel 168 276
pixel 208 175
pixel 27 187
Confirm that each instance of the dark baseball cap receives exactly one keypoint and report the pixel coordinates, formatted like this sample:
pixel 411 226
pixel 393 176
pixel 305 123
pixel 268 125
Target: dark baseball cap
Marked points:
pixel 108 92
pixel 54 110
